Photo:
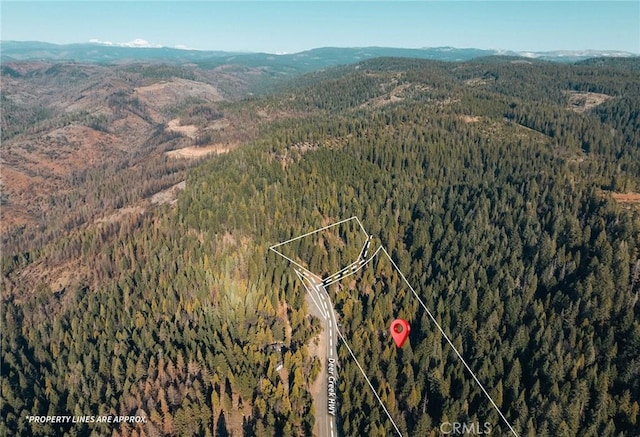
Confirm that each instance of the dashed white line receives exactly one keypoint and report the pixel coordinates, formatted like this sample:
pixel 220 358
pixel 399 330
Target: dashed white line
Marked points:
pixel 314 279
pixel 319 230
pixel 366 247
pixel 324 315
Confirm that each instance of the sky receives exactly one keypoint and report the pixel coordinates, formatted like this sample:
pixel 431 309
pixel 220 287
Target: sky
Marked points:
pixel 293 26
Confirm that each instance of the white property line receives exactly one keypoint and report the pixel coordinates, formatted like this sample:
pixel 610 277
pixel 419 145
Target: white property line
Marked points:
pixel 319 297
pixel 318 230
pixel 308 273
pixel 361 227
pixel 289 259
pixel 273 248
pixel 354 268
pixel 369 382
pixel 451 344
pixel 345 272
pixel 302 279
pixel 365 248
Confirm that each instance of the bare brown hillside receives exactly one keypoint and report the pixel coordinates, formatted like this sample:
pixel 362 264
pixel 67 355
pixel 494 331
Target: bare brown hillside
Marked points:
pixel 80 140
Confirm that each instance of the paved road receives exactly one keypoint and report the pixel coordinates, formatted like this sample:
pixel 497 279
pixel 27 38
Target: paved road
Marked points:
pixel 332 357
pixel 321 306
pixel 326 403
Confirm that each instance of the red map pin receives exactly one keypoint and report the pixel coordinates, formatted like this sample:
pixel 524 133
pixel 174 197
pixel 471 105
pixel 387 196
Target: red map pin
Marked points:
pixel 400 331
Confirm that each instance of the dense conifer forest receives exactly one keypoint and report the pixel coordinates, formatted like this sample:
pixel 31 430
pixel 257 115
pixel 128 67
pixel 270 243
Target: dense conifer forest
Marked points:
pixel 494 185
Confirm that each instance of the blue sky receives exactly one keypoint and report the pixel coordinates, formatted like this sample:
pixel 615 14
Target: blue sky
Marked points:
pixel 292 26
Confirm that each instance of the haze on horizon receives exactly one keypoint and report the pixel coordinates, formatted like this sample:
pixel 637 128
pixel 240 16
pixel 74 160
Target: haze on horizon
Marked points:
pixel 295 26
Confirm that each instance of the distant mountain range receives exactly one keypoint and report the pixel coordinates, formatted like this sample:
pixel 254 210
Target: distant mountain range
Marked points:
pixel 100 52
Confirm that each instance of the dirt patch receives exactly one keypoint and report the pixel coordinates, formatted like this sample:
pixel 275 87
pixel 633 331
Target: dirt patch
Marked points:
pixel 187 130
pixel 627 198
pixel 583 101
pixel 478 81
pixel 577 159
pixel 167 93
pixel 382 101
pixel 218 124
pixel 120 213
pixel 170 195
pixel 57 277
pixel 193 152
pixel 395 95
pixel 470 118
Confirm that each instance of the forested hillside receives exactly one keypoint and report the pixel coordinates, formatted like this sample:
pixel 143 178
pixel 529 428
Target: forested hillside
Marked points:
pixel 503 189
